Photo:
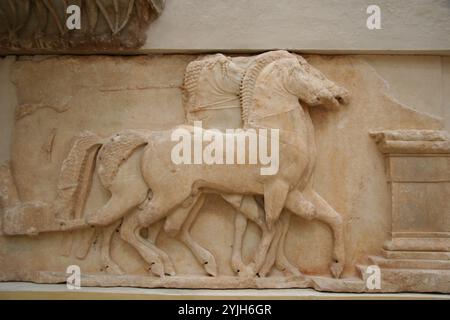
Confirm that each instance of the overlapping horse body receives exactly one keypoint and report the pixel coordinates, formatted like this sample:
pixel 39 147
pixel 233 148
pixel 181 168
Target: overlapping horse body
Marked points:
pixel 290 79
pixel 275 90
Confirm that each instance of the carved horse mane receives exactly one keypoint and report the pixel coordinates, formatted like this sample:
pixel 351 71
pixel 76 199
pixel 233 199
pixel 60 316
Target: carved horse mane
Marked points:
pixel 190 82
pixel 248 81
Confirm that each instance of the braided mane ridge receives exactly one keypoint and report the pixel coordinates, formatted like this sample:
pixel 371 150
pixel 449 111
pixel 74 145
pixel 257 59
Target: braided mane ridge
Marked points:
pixel 251 74
pixel 190 82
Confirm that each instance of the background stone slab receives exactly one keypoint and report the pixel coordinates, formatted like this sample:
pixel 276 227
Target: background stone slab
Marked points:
pixel 106 94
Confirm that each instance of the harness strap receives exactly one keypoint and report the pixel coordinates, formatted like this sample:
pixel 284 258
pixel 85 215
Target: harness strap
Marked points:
pixel 216 105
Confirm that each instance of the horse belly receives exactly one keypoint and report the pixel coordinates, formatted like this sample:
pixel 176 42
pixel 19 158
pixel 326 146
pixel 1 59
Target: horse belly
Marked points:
pixel 227 178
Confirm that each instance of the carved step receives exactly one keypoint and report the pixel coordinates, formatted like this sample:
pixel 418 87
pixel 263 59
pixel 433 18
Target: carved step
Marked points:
pixel 422 280
pixel 420 255
pixel 410 263
pixel 418 244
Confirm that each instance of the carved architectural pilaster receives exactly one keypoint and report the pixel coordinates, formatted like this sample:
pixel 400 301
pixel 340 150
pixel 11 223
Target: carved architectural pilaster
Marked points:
pixel 418 174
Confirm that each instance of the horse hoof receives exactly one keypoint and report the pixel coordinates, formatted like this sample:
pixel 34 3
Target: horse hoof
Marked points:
pixel 157 269
pixel 169 268
pixel 170 271
pixel 211 267
pixel 112 268
pixel 336 269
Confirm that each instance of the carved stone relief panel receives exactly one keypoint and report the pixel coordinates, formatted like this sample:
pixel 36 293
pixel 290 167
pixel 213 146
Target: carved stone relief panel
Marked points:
pixel 40 25
pixel 94 180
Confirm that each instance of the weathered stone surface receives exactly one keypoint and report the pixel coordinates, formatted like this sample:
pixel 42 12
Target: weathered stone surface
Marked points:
pixel 27 26
pixel 106 96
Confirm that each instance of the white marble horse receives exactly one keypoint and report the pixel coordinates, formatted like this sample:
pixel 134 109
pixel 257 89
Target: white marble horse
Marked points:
pixel 272 91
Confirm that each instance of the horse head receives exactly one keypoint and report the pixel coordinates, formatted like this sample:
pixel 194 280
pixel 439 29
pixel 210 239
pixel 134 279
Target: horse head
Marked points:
pixel 222 74
pixel 210 84
pixel 312 87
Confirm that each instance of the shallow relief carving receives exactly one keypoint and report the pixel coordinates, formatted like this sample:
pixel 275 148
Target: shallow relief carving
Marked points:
pixel 40 25
pixel 150 197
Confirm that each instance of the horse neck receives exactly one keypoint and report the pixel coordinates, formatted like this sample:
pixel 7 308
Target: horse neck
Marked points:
pixel 211 99
pixel 275 107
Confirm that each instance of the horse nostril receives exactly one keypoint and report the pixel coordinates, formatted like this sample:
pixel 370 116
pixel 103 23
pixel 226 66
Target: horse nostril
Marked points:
pixel 339 99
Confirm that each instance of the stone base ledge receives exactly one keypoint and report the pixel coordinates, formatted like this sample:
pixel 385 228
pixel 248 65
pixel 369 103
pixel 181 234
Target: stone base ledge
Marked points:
pixel 393 281
pixel 24 290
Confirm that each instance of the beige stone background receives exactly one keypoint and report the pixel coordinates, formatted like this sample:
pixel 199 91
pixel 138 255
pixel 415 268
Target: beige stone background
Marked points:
pixel 107 94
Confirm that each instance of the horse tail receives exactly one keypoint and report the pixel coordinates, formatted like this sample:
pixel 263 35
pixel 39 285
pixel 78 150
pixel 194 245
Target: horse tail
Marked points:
pixel 117 150
pixel 76 175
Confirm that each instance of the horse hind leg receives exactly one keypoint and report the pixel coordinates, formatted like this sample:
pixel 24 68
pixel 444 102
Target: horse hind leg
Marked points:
pixel 129 232
pixel 205 257
pixel 174 224
pixel 124 197
pixel 153 210
pixel 153 232
pixel 108 263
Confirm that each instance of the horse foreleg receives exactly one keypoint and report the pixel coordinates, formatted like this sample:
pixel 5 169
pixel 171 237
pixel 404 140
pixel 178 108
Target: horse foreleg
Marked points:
pixel 275 194
pixel 297 203
pixel 263 248
pixel 247 209
pixel 272 253
pixel 282 261
pixel 201 254
pixel 277 255
pixel 326 214
pixel 240 225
